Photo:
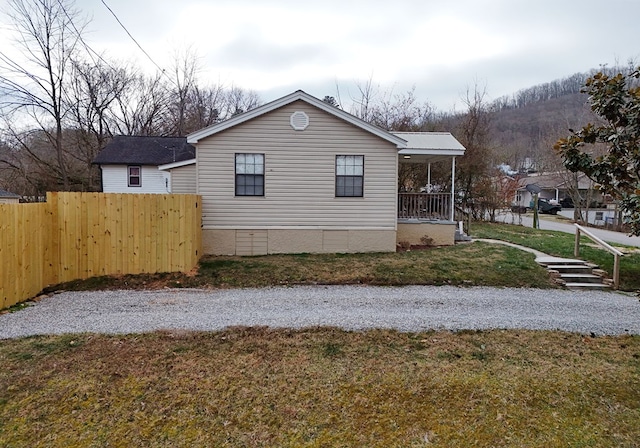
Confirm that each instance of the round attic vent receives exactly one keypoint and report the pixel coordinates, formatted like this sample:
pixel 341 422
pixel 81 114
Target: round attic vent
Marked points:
pixel 299 121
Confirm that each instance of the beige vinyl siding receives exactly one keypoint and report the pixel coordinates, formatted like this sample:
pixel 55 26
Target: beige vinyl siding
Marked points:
pixel 183 179
pixel 299 174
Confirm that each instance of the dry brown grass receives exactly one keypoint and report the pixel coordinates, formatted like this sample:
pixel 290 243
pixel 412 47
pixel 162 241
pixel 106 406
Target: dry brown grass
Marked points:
pixel 321 387
pixel 476 264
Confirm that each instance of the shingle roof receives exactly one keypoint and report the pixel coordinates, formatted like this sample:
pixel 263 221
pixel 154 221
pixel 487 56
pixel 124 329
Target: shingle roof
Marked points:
pixel 8 194
pixel 141 150
pixel 553 181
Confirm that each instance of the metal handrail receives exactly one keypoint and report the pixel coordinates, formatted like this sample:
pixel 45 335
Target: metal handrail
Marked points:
pixel 616 253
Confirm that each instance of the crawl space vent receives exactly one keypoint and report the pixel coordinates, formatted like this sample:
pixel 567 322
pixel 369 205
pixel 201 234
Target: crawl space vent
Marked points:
pixel 299 121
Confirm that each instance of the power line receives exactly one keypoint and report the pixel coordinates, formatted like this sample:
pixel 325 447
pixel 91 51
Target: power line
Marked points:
pixel 133 38
pixel 81 39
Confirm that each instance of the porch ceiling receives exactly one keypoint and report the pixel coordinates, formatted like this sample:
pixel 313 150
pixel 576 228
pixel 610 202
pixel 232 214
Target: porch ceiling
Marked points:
pixel 411 156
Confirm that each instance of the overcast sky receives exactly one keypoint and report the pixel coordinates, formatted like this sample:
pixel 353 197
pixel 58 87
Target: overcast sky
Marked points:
pixel 439 46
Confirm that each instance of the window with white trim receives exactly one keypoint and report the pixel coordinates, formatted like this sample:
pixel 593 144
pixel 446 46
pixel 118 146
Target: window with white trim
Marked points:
pixel 134 173
pixel 349 176
pixel 249 174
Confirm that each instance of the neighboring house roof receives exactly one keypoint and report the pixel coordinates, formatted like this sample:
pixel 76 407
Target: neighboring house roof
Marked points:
pixel 295 96
pixel 143 150
pixel 553 181
pixel 8 194
pixel 432 143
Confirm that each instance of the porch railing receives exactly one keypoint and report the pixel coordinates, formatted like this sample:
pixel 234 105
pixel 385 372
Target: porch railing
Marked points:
pixel 427 206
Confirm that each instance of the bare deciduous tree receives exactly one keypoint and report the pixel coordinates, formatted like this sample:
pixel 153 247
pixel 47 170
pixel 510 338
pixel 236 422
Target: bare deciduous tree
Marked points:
pixel 475 168
pixel 33 83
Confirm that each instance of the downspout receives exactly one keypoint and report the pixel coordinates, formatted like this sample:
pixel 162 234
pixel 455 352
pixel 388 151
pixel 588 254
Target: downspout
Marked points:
pixel 397 173
pixel 453 183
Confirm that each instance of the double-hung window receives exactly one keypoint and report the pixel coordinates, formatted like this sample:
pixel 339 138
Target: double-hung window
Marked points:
pixel 349 176
pixel 249 174
pixel 134 176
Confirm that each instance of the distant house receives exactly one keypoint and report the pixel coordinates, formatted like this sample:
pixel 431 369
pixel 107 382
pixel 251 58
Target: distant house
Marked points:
pixel 137 164
pixel 553 186
pixel 7 197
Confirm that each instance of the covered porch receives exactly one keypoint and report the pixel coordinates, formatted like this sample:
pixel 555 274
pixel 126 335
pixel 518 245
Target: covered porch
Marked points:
pixel 428 214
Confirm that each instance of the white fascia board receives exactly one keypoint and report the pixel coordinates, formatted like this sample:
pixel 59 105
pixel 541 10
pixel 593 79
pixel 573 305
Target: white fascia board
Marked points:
pixel 168 166
pixel 295 96
pixel 432 152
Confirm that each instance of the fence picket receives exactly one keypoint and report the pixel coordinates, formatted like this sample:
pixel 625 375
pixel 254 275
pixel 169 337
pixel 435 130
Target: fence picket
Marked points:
pixel 80 235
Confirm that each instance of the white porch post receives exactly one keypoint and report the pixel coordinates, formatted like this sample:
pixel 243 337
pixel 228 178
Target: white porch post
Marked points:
pixel 453 183
pixel 429 175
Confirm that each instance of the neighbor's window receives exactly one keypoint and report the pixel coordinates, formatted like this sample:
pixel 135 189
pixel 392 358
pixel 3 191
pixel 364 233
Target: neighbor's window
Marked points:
pixel 349 176
pixel 135 178
pixel 249 174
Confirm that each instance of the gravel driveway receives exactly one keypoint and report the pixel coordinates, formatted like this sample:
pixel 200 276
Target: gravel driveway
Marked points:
pixel 411 308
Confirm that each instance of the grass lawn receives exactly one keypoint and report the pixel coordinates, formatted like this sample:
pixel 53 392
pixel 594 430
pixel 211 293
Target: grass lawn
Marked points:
pixel 321 387
pixel 562 244
pixel 477 264
pixel 324 387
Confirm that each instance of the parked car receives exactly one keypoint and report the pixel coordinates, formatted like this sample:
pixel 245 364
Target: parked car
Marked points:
pixel 545 206
pixel 566 202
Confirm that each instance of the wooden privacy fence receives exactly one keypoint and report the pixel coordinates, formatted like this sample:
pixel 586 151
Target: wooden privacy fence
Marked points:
pixel 81 235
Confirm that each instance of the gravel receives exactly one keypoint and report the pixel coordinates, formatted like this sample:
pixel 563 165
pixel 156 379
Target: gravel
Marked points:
pixel 412 308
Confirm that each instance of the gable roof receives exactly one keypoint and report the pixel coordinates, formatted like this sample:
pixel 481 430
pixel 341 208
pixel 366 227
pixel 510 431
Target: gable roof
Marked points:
pixel 143 150
pixel 8 194
pixel 554 181
pixel 298 95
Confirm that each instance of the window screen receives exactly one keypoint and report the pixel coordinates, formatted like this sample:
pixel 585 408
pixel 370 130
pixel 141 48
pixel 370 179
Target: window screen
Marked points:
pixel 349 176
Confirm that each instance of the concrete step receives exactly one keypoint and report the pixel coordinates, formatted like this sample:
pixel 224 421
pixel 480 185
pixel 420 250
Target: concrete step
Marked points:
pixel 570 268
pixel 592 286
pixel 546 261
pixel 580 278
pixel 575 274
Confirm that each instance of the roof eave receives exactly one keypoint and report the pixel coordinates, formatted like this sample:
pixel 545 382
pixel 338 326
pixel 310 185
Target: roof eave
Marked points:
pixel 169 166
pixel 432 152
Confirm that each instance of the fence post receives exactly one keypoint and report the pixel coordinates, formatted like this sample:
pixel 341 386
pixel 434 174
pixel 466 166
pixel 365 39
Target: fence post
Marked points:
pixel 616 271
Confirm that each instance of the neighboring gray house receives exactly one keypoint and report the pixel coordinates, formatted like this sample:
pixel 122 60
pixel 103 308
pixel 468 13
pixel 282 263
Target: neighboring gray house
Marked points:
pixel 138 164
pixel 300 175
pixel 7 197
pixel 553 186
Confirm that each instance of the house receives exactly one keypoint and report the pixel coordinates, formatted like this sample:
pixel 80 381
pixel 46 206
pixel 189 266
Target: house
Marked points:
pixel 300 175
pixel 553 186
pixel 294 175
pixel 138 164
pixel 7 197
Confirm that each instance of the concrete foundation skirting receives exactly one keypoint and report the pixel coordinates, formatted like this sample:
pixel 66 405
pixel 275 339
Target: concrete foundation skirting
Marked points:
pixel 283 241
pixel 441 233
